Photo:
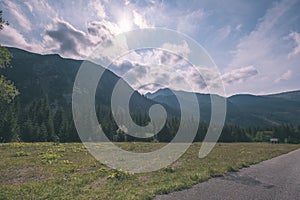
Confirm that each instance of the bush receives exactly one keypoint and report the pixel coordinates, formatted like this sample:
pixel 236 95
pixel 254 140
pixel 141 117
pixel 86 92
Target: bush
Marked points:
pixel 119 175
pixel 20 154
pixel 50 157
pixel 169 169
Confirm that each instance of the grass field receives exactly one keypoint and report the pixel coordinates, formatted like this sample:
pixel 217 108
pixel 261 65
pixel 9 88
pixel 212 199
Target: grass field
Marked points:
pixel 68 171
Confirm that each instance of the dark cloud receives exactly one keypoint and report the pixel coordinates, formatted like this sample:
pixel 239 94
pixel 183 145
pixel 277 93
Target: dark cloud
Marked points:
pixel 101 31
pixel 71 41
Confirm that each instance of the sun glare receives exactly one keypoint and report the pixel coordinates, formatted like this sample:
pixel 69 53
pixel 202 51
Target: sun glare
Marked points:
pixel 125 25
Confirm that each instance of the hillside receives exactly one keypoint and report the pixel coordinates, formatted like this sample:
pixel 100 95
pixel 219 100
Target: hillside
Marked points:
pixel 243 109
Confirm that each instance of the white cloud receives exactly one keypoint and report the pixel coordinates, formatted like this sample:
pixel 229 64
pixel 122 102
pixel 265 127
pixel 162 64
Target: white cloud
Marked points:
pixel 179 49
pixel 126 2
pixel 40 13
pixel 188 22
pixel 239 27
pixel 285 76
pixel 11 37
pixel 223 33
pixel 98 7
pixel 152 77
pixel 29 6
pixel 18 14
pixel 239 75
pixel 171 55
pixel 140 20
pixel 296 37
pixel 151 69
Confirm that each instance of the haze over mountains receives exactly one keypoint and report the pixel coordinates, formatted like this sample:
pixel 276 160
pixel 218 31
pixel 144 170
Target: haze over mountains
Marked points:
pixel 51 75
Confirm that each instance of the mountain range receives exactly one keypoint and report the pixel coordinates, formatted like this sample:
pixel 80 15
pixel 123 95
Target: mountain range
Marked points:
pixel 38 75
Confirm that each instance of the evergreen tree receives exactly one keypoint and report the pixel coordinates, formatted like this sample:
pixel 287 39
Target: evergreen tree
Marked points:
pixel 9 124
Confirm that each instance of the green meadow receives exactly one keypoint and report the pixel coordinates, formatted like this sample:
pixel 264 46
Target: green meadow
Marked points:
pixel 68 171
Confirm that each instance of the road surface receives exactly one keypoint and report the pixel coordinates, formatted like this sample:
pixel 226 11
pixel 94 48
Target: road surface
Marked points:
pixel 278 178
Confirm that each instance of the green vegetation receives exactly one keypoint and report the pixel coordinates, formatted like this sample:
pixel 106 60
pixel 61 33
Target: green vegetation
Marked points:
pixel 7 89
pixel 38 121
pixel 68 171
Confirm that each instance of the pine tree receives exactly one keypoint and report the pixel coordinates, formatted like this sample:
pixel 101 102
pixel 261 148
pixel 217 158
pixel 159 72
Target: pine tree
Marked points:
pixel 9 124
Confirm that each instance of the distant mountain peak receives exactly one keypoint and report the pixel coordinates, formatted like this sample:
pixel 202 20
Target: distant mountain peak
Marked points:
pixel 159 92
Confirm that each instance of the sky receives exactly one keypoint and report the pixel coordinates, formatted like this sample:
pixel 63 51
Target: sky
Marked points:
pixel 254 44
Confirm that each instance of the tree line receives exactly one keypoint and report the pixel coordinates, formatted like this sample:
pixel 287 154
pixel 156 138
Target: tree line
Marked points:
pixel 40 121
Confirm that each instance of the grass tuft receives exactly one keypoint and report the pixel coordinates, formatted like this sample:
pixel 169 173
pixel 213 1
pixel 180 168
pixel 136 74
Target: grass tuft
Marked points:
pixel 20 154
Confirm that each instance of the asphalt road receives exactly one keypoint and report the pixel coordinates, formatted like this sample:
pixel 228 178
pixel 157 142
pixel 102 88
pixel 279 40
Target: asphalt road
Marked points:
pixel 278 178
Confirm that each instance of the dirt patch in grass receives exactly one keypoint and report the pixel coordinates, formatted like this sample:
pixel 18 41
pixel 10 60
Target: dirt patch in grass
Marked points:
pixel 142 179
pixel 96 183
pixel 21 175
pixel 176 164
pixel 87 170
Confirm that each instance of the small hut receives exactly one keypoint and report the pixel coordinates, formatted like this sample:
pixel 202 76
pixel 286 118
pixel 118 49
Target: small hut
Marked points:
pixel 274 140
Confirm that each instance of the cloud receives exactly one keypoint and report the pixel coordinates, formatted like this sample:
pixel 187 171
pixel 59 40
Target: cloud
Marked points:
pixel 188 22
pixel 97 6
pixel 296 37
pixel 11 37
pixel 255 31
pixel 64 38
pixel 101 30
pixel 39 12
pixel 126 2
pixel 67 40
pixel 179 49
pixel 164 14
pixel 239 75
pixel 122 68
pixel 18 15
pixel 259 45
pixel 285 76
pixel 170 55
pixel 146 70
pixel 140 20
pixel 223 33
pixel 29 6
pixel 239 27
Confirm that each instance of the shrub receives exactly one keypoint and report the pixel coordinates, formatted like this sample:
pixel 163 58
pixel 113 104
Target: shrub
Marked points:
pixel 169 169
pixel 20 154
pixel 50 157
pixel 119 174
